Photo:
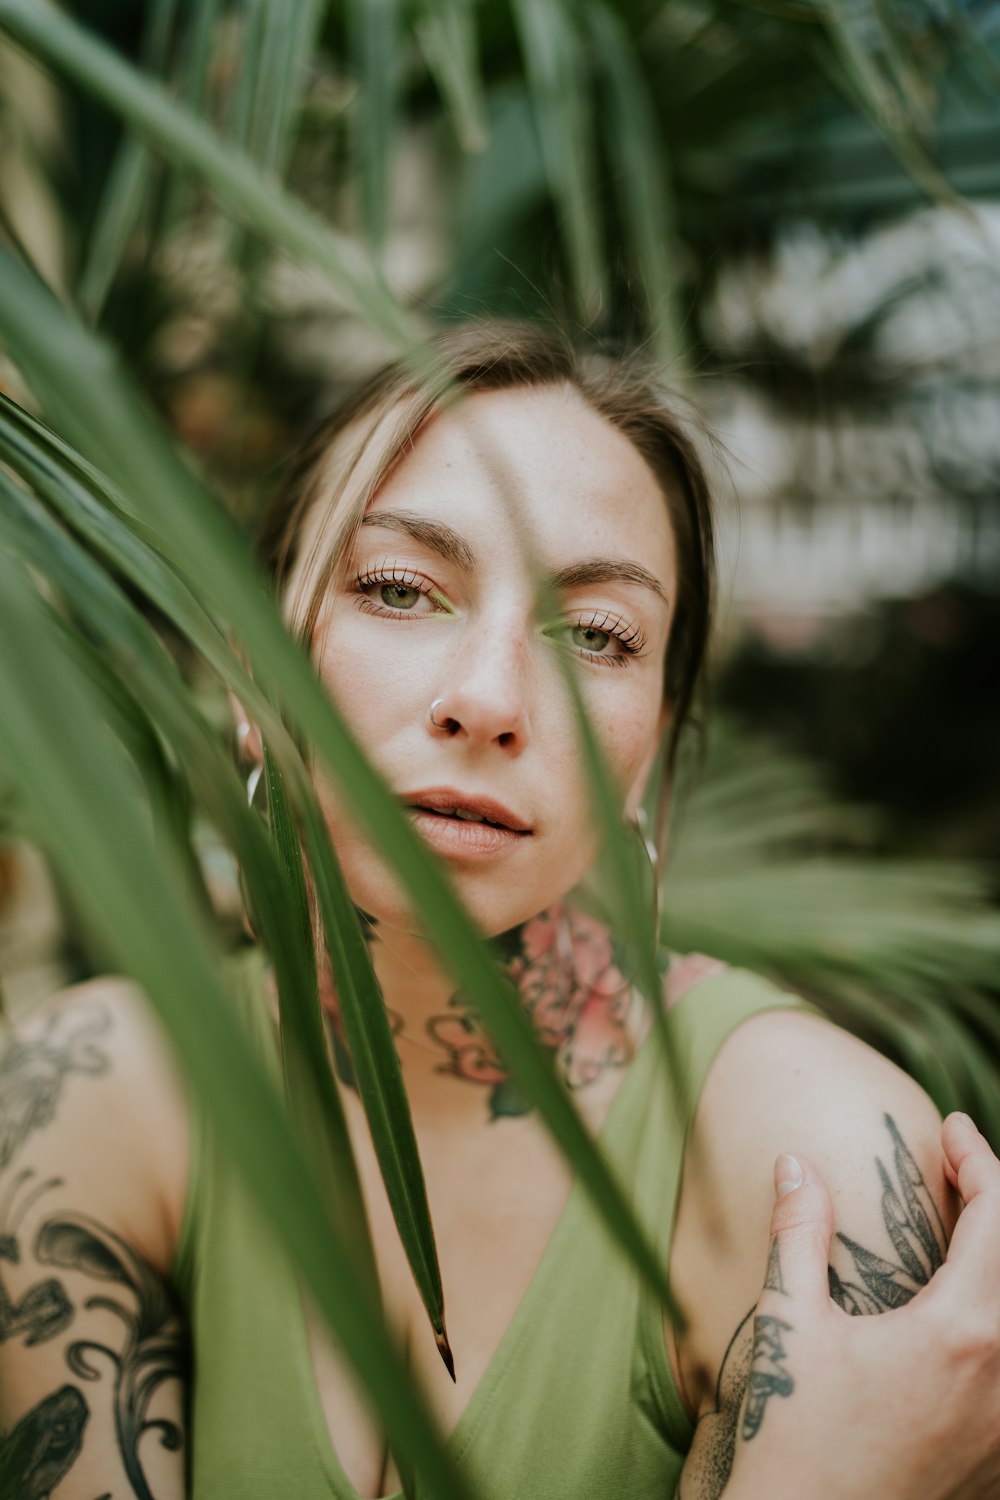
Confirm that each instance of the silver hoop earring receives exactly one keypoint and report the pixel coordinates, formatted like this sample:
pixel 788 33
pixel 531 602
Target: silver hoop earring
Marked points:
pixel 252 782
pixel 649 862
pixel 434 721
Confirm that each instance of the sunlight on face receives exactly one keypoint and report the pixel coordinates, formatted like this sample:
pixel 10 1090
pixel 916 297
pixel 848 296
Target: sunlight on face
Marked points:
pixel 439 604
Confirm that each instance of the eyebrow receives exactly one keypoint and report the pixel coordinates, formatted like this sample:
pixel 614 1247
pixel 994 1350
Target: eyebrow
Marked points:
pixel 433 534
pixel 448 544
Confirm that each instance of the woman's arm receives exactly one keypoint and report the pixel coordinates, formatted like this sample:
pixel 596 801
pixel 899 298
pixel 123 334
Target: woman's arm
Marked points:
pixel 875 1137
pixel 93 1353
pixel 905 1407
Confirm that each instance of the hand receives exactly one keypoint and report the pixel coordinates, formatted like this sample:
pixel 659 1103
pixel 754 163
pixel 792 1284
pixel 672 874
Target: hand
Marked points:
pixel 904 1406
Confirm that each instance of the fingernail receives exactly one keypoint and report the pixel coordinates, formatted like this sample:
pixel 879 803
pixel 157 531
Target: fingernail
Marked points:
pixel 788 1175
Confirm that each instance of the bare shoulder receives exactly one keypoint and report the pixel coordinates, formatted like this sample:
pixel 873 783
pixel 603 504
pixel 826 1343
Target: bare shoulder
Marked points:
pixel 789 1081
pixel 793 1071
pixel 687 970
pixel 89 1089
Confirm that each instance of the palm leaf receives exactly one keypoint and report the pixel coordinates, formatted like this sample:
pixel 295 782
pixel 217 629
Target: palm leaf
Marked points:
pixel 446 31
pixel 375 1068
pixel 127 188
pixel 556 71
pixel 374 27
pixel 110 421
pixel 137 649
pixel 770 871
pixel 248 193
pixel 642 176
pixel 152 931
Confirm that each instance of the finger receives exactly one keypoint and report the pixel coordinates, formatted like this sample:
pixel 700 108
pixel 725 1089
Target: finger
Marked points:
pixel 973 1166
pixel 972 1254
pixel 801 1230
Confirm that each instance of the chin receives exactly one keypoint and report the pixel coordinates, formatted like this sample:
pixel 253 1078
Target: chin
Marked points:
pixel 487 899
pixel 496 898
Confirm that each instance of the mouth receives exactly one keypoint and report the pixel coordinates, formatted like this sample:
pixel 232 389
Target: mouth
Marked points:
pixel 462 807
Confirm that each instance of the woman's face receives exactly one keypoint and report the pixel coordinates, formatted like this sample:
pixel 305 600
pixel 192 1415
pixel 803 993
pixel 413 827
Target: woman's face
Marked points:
pixel 439 605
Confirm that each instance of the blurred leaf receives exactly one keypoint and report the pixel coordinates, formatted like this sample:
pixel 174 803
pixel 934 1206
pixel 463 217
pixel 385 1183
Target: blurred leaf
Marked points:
pixel 91 822
pixel 128 183
pixel 446 30
pixel 248 193
pixel 192 87
pixel 642 176
pixel 559 87
pixel 890 110
pixel 119 212
pixel 763 874
pixel 109 420
pixel 375 51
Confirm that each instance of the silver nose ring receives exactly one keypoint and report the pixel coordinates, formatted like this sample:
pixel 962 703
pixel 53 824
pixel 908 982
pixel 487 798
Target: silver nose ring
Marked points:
pixel 434 705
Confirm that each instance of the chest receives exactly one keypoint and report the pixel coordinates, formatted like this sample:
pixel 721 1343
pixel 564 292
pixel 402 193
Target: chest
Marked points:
pixel 496 1197
pixel 563 1383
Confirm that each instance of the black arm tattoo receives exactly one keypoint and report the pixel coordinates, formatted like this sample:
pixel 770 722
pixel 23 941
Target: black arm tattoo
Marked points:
pixel 754 1366
pixel 32 1071
pixel 45 1309
pixel 154 1350
pixel 37 1453
pixel 768 1376
pixel 915 1231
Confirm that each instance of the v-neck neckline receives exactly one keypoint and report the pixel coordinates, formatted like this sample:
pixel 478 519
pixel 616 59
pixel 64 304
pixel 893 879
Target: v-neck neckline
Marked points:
pixel 463 1428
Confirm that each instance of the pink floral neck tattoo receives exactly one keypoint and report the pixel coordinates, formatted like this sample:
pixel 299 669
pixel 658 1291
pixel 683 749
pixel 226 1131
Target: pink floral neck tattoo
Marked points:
pixel 570 980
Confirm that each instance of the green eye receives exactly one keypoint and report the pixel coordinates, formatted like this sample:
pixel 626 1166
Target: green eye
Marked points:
pixel 590 639
pixel 398 596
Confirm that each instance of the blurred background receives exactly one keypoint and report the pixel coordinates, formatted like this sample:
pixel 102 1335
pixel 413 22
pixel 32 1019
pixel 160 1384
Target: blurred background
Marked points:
pixel 794 205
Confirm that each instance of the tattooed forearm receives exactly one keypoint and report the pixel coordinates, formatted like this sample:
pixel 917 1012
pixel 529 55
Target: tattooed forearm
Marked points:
pixel 915 1232
pixel 32 1071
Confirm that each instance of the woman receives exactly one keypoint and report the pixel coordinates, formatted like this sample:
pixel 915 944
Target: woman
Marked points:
pixel 405 552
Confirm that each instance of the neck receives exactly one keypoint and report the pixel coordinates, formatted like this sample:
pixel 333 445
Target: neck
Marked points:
pixel 566 974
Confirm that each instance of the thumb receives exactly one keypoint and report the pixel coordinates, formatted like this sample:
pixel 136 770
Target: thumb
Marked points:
pixel 801 1231
pixel 972 1253
pixel 969 1162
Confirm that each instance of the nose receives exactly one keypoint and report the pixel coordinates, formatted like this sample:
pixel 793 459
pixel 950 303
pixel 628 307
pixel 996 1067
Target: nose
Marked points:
pixel 483 698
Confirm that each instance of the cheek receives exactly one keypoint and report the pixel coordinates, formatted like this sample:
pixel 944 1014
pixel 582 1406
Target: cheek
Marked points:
pixel 378 691
pixel 627 732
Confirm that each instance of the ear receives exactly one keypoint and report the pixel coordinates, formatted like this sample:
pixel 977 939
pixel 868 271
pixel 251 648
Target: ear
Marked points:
pixel 251 746
pixel 638 787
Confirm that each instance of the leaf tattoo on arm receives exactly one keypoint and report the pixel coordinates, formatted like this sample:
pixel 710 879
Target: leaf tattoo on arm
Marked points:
pixel 756 1364
pixel 915 1230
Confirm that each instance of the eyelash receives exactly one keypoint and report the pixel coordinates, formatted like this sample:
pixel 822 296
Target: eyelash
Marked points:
pixel 628 636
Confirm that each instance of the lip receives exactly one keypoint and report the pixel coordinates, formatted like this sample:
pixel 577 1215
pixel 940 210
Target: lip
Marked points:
pixel 446 799
pixel 464 842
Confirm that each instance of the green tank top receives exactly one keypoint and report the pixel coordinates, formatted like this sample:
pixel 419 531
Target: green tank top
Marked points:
pixel 578 1401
